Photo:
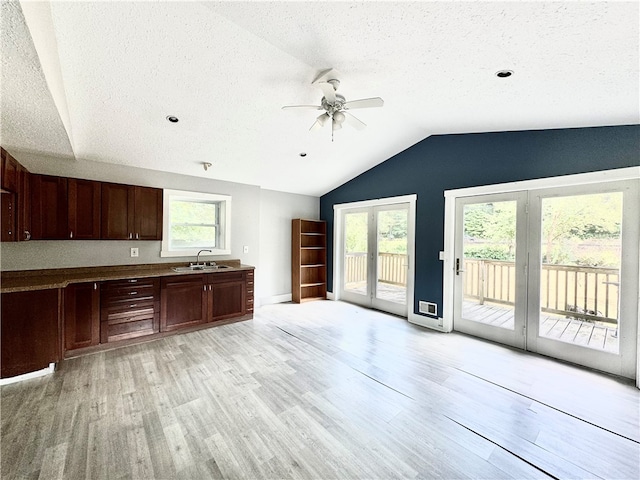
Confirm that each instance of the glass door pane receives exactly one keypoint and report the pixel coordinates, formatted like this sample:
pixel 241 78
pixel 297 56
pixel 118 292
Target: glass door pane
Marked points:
pixel 355 277
pixel 580 270
pixel 391 235
pixel 490 263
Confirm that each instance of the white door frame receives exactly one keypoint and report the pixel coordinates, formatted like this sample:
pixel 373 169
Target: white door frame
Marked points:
pixel 338 254
pixel 629 173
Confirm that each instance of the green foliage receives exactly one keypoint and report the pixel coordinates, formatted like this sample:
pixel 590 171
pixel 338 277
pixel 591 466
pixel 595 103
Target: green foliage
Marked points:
pixel 488 252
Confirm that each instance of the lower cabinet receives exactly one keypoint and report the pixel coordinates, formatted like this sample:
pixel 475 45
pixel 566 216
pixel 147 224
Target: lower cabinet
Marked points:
pixel 225 295
pixel 184 302
pixel 129 309
pixel 81 315
pixel 30 331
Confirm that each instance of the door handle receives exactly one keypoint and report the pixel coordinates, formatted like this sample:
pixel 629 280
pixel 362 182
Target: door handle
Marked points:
pixel 458 269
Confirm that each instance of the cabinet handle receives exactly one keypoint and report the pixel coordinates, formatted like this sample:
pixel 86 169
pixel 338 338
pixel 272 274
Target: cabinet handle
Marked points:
pixel 137 236
pixel 210 287
pixel 204 288
pixel 95 286
pixel 130 236
pixel 71 235
pixel 133 293
pixel 132 281
pixel 27 235
pixel 132 305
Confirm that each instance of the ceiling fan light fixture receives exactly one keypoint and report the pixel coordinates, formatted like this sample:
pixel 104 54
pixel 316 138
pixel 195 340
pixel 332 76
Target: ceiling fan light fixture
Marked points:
pixel 339 117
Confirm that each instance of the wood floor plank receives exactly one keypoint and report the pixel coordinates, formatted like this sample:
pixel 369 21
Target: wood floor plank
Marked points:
pixel 319 390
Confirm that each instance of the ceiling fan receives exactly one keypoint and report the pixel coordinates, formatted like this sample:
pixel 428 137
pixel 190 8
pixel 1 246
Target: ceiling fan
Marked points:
pixel 335 105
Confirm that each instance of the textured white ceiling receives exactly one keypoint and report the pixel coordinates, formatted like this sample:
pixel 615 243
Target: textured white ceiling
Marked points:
pixel 226 68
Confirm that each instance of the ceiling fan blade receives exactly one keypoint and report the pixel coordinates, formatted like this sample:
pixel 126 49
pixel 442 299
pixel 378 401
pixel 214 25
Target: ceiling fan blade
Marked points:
pixel 364 103
pixel 315 107
pixel 328 91
pixel 354 122
pixel 320 122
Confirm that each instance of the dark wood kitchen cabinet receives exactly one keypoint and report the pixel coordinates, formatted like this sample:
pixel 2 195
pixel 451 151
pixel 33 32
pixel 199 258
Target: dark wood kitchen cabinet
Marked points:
pixel 30 331
pixel 226 295
pixel 81 315
pixel 129 308
pixel 84 209
pixel 9 171
pixel 65 208
pixel 49 214
pixel 131 212
pixel 184 302
pixel 16 200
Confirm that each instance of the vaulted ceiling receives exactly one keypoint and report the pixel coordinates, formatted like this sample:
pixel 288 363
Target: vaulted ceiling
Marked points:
pixel 96 80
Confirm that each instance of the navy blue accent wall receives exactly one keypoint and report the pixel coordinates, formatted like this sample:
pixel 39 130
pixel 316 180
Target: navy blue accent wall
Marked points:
pixel 445 162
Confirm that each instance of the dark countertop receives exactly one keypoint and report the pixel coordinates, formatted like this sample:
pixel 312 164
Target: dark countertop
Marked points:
pixel 26 280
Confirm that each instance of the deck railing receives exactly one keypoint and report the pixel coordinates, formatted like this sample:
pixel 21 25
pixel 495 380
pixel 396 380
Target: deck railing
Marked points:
pixel 392 268
pixel 589 293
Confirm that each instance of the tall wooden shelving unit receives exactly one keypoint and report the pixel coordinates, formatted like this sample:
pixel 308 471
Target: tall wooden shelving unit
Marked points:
pixel 308 260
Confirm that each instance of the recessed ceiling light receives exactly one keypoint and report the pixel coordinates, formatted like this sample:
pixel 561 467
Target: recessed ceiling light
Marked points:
pixel 172 119
pixel 303 154
pixel 504 73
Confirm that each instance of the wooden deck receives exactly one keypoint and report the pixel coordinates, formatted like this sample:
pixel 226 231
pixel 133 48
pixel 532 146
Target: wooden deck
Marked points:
pixel 570 330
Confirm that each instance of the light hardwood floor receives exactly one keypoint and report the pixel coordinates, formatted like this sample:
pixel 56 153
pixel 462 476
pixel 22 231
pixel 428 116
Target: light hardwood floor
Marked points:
pixel 320 390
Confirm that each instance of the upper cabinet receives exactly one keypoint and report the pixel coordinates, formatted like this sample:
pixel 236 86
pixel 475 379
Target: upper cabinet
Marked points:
pixel 45 207
pixel 84 209
pixel 64 208
pixel 49 215
pixel 131 212
pixel 16 199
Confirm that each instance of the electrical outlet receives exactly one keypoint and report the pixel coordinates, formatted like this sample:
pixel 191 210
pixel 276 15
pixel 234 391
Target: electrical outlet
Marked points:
pixel 134 251
pixel 245 249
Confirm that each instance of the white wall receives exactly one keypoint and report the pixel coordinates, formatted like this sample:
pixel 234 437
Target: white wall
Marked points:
pixel 252 224
pixel 276 211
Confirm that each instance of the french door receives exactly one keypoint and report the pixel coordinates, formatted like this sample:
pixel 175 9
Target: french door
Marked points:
pixel 553 271
pixel 375 248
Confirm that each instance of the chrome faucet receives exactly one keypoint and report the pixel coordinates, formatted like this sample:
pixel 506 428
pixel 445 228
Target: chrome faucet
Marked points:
pixel 198 257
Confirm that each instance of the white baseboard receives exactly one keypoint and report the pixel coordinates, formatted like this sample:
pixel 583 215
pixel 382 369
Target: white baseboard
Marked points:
pixel 27 376
pixel 428 322
pixel 286 297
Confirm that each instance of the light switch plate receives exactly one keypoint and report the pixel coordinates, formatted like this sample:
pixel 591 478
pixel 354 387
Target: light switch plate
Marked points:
pixel 245 249
pixel 134 251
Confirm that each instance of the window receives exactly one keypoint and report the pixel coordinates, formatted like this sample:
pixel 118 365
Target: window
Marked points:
pixel 195 221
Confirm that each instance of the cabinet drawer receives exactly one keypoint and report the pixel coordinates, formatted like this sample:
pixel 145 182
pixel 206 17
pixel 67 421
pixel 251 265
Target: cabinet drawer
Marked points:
pixel 129 309
pixel 112 332
pixel 123 291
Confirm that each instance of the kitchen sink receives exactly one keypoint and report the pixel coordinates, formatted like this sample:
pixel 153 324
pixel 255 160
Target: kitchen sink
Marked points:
pixel 200 268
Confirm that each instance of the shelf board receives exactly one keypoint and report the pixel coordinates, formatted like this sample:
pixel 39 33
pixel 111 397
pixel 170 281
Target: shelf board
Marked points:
pixel 312 248
pixel 309 299
pixel 303 285
pixel 313 265
pixel 312 233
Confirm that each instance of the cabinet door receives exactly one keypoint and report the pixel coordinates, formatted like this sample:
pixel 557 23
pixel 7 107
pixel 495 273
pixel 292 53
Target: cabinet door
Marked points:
pixel 117 212
pixel 184 302
pixel 30 331
pixel 84 209
pixel 23 229
pixel 227 300
pixel 8 217
pixel 148 213
pixel 48 207
pixel 9 172
pixel 81 315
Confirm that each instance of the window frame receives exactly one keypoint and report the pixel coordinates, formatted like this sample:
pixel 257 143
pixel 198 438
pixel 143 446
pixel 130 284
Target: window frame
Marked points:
pixel 223 236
